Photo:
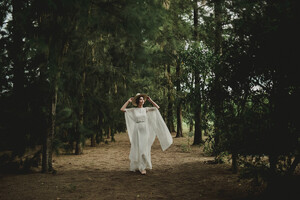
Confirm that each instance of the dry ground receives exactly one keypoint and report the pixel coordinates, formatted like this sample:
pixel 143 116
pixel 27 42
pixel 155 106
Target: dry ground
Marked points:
pixel 102 173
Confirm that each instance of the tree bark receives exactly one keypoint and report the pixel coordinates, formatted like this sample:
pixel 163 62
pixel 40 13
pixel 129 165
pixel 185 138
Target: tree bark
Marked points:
pixel 108 132
pixel 93 140
pixel 191 125
pixel 79 145
pixel 179 109
pixel 196 20
pixel 198 135
pixel 53 118
pixel 179 121
pixel 170 121
pixel 234 165
pixel 16 52
pixel 58 46
pixel 45 151
pixel 55 61
pixel 191 105
pixel 218 4
pixel 197 100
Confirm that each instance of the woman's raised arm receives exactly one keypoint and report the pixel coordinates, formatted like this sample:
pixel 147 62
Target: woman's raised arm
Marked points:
pixel 126 104
pixel 153 103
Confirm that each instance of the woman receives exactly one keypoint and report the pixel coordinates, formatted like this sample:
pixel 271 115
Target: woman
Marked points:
pixel 143 125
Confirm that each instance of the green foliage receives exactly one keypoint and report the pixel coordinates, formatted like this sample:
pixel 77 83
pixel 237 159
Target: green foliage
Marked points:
pixel 187 147
pixel 209 145
pixel 255 80
pixel 97 54
pixel 198 57
pixel 255 168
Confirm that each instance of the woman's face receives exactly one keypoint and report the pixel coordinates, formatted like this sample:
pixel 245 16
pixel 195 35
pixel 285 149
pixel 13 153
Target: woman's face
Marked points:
pixel 141 100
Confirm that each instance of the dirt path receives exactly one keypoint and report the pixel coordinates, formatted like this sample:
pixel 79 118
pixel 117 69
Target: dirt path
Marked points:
pixel 102 173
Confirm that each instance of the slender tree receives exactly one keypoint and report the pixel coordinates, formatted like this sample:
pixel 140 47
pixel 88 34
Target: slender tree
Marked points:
pixel 197 97
pixel 179 101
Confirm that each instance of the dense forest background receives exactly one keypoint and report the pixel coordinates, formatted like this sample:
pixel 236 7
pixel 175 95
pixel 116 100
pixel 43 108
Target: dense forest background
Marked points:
pixel 225 68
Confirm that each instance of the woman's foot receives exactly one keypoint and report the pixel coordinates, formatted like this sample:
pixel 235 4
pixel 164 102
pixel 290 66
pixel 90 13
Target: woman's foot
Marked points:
pixel 143 172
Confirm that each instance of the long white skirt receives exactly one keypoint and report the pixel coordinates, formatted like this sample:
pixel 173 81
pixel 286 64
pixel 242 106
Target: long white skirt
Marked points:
pixel 140 151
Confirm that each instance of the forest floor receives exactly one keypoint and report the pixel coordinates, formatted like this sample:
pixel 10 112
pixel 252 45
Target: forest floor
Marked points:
pixel 102 173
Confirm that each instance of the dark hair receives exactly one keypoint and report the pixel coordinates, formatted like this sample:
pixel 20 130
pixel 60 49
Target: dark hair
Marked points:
pixel 137 100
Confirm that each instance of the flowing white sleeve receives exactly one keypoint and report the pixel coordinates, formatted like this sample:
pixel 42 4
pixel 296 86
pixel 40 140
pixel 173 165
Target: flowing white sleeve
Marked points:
pixel 158 127
pixel 130 122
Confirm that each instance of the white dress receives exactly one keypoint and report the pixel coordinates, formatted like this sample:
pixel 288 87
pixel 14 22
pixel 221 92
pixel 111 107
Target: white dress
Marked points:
pixel 143 125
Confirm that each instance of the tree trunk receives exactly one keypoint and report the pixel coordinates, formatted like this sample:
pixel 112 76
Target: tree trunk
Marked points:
pixel 179 109
pixel 196 20
pixel 191 125
pixel 93 140
pixel 165 110
pixel 112 134
pixel 16 52
pixel 218 10
pixel 57 48
pixel 170 121
pixel 218 4
pixel 197 100
pixel 48 141
pixel 179 121
pixel 99 134
pixel 45 151
pixel 108 132
pixel 192 105
pixel 53 116
pixel 79 145
pixel 198 134
pixel 234 162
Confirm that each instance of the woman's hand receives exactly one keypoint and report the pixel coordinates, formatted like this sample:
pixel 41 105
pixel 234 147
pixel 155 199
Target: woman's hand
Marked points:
pixel 126 103
pixel 153 103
